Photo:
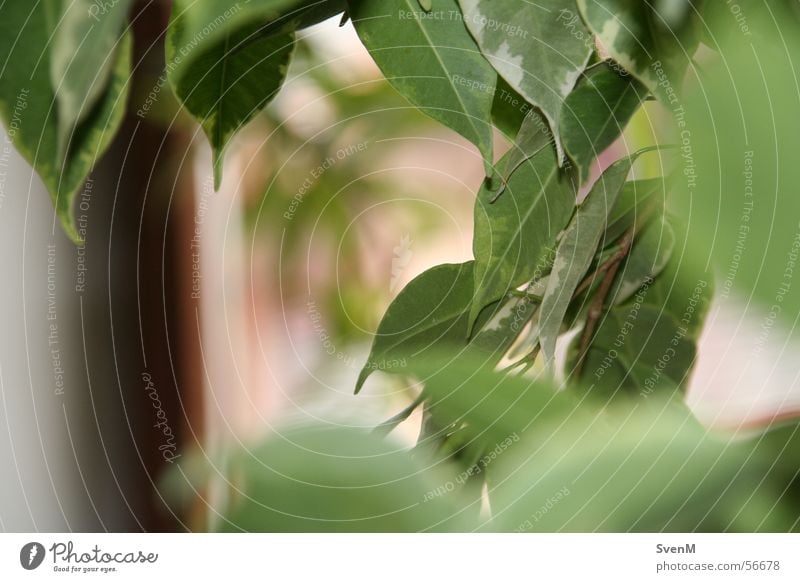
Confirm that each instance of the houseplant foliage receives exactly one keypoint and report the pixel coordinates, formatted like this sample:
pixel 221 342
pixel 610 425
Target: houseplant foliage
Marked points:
pixel 584 277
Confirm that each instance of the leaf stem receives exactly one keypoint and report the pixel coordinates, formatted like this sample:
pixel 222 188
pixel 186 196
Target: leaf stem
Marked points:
pixel 589 280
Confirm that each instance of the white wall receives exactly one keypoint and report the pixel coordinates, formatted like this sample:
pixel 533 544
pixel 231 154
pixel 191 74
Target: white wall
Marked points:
pixel 41 486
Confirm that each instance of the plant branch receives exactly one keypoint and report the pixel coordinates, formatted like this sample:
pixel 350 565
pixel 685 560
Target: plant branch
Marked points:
pixel 622 251
pixel 598 305
pixel 602 268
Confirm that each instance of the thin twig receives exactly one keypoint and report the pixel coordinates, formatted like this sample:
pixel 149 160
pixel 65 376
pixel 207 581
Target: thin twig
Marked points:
pixel 599 302
pixel 622 250
pixel 589 280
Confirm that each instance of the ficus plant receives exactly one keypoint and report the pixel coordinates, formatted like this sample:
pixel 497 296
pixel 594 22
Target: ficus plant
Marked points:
pixel 582 276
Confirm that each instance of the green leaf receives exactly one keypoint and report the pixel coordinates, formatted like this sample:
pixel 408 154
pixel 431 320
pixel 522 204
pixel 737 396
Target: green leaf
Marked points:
pixel 27 99
pixel 515 236
pixel 650 254
pixel 323 479
pixel 648 344
pixel 504 322
pixel 202 24
pixel 539 48
pixel 739 170
pixel 597 111
pixel 632 202
pixel 491 407
pixel 780 448
pixel 83 56
pixel 533 136
pixel 654 49
pixel 432 61
pixel 429 312
pixel 529 130
pixel 509 109
pixel 576 250
pixel 318 11
pixel 227 76
pixel 640 467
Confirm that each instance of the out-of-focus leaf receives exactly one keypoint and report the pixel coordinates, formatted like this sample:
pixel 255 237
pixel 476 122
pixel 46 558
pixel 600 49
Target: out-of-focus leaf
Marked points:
pixel 225 67
pixel 645 468
pixel 432 60
pixel 27 98
pixel 322 479
pixel 655 50
pixel 490 407
pixel 576 250
pixel 84 53
pixel 515 235
pixel 597 111
pixel 780 448
pixel 539 48
pixel 739 172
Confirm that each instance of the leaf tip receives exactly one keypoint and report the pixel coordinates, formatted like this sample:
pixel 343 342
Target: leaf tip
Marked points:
pixel 72 233
pixel 362 377
pixel 499 192
pixel 68 226
pixel 472 320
